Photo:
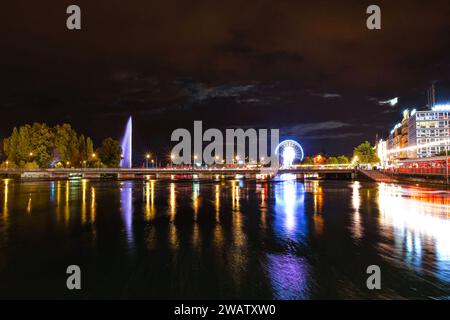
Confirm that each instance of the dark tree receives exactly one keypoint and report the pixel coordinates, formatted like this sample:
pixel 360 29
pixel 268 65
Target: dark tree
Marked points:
pixel 110 153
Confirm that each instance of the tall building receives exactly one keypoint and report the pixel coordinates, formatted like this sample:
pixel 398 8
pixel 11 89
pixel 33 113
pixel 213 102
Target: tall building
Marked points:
pixel 399 137
pixel 420 134
pixel 429 131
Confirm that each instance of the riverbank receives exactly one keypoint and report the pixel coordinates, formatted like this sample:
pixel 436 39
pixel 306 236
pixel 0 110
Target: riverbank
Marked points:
pixel 388 177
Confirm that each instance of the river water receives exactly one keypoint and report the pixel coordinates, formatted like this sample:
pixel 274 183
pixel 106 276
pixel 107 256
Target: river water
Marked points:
pixel 229 239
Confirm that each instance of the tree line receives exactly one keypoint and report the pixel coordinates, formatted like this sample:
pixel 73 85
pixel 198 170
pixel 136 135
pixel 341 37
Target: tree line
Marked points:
pixel 43 146
pixel 321 159
pixel 364 153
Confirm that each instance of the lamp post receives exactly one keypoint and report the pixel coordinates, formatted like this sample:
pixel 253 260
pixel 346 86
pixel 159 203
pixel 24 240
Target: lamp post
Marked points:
pixel 171 160
pixel 93 155
pixel 147 157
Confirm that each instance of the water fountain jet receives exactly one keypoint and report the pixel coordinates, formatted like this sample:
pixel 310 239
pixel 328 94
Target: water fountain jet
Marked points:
pixel 126 144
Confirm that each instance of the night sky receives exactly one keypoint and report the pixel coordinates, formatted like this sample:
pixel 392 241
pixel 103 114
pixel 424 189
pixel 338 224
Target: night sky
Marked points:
pixel 310 68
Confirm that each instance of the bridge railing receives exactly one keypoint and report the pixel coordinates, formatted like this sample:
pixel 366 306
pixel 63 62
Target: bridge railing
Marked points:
pixel 418 171
pixel 183 169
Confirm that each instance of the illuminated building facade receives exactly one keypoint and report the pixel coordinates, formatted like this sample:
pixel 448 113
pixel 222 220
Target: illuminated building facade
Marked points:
pixel 399 136
pixel 382 152
pixel 427 129
pixel 420 134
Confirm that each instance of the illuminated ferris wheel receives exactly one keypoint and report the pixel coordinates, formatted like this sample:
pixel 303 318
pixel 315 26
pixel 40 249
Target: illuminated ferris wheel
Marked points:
pixel 289 151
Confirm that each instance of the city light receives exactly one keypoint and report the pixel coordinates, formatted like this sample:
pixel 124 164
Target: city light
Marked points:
pixel 288 156
pixel 290 150
pixel 415 147
pixel 355 158
pixel 441 107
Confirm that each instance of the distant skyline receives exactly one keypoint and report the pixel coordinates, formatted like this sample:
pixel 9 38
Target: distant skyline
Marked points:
pixel 313 70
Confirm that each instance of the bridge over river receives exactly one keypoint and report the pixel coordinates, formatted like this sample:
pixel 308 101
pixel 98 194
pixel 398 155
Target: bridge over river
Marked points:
pixel 214 173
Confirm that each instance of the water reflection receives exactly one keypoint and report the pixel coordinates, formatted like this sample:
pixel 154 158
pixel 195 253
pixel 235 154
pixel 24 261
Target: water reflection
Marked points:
pixel 83 201
pixel 287 272
pixel 195 200
pixel 5 201
pixel 217 201
pixel 290 209
pixel 149 194
pixel 356 228
pixel 262 190
pixel 238 248
pixel 58 200
pixel 66 203
pixel 289 276
pixel 231 239
pixel 173 233
pixel 126 203
pixel 418 221
pixel 235 195
pixel 172 202
pixel 314 187
pixel 93 205
pixel 218 229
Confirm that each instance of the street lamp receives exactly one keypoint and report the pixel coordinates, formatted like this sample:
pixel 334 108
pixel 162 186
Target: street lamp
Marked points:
pixel 147 156
pixel 171 159
pixel 7 163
